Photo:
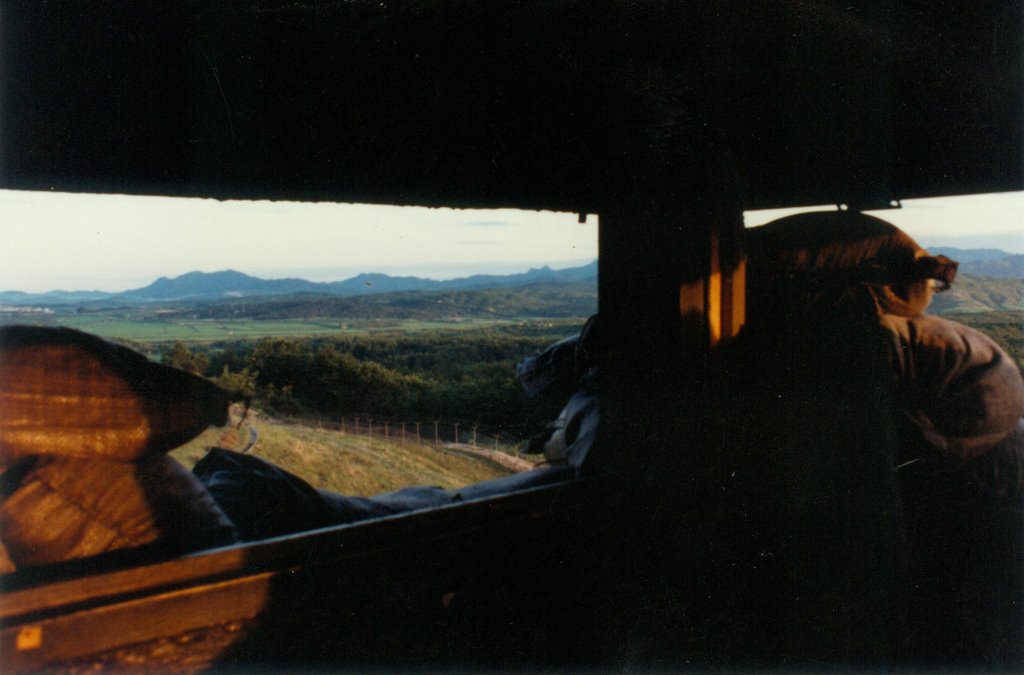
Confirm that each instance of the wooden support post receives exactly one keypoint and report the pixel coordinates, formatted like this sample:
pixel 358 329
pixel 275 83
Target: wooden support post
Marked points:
pixel 725 300
pixel 671 290
pixel 662 318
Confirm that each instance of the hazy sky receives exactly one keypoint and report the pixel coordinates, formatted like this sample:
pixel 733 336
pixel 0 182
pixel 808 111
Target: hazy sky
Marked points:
pixel 115 242
pixel 971 221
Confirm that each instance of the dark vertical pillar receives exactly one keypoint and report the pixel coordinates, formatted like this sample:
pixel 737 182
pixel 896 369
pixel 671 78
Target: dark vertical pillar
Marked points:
pixel 672 287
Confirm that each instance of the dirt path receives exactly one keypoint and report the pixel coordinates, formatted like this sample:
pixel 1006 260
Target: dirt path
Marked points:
pixel 501 458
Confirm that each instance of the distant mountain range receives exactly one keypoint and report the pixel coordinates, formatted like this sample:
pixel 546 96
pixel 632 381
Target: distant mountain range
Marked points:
pixel 985 262
pixel 209 286
pixel 989 280
pixel 1011 267
pixel 968 255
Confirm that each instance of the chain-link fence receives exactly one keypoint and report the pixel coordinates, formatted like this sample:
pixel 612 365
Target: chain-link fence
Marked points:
pixel 437 432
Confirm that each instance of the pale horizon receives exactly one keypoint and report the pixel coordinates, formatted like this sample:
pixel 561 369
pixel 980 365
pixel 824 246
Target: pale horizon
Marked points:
pixel 994 220
pixel 114 243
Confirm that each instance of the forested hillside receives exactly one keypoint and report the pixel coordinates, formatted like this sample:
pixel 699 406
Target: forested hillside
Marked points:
pixel 1011 266
pixel 448 375
pixel 980 294
pixel 551 299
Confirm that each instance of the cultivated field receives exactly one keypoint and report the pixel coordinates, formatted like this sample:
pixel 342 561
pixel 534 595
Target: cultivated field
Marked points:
pixel 155 330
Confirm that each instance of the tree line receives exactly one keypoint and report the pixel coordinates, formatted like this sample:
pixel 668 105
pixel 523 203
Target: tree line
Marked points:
pixel 465 377
pixel 559 299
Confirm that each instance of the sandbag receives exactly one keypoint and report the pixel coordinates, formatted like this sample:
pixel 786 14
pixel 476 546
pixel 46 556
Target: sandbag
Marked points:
pixel 62 508
pixel 6 564
pixel 84 425
pixel 264 500
pixel 1000 472
pixel 570 436
pixel 960 390
pixel 70 394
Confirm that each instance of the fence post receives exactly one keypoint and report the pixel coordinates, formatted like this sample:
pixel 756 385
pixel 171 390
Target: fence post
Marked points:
pixel 474 436
pixel 357 425
pixel 342 425
pixel 456 433
pixel 436 440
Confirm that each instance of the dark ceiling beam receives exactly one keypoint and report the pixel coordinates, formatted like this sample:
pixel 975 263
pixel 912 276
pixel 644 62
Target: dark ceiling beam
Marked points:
pixel 558 104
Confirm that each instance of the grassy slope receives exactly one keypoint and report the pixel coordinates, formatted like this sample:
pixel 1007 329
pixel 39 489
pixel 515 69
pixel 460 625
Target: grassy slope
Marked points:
pixel 348 463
